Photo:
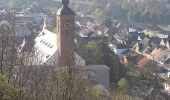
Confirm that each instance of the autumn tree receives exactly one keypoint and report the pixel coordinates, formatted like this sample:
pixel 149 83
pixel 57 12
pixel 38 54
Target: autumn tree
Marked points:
pixel 7 91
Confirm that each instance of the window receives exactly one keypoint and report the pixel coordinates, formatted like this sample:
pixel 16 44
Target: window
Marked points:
pixel 47 56
pixel 46 43
pixel 43 33
pixel 51 47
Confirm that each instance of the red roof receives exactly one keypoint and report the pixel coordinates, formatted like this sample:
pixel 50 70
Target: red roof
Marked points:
pixel 142 62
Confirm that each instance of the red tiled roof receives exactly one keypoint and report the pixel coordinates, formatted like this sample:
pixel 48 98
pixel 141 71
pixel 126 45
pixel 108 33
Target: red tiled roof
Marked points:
pixel 142 62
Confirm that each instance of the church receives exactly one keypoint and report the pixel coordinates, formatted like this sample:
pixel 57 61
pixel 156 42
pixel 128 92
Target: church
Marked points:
pixel 58 49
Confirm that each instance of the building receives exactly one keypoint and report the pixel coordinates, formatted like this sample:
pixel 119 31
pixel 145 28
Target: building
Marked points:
pixel 59 49
pixel 99 74
pixel 66 35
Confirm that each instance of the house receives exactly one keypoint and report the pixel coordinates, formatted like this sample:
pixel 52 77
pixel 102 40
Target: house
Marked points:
pixel 157 53
pixel 26 16
pixel 167 86
pixel 90 29
pixel 165 60
pixel 154 41
pixel 8 16
pixel 165 42
pixel 130 57
pixel 142 62
pixel 133 38
pixel 118 48
pixel 135 29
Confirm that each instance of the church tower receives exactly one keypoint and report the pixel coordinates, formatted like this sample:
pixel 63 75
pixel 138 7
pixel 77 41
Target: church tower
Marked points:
pixel 65 35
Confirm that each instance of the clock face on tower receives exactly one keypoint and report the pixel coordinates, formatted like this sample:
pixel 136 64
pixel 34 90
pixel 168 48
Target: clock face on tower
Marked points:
pixel 67 26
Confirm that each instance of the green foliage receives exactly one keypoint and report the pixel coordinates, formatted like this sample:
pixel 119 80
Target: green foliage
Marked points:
pixel 98 52
pixel 7 91
pixel 135 74
pixel 123 83
pixel 97 13
pixel 50 27
pixel 93 53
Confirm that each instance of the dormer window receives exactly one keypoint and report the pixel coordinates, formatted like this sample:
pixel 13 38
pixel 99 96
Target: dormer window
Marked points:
pixel 48 45
pixel 42 34
pixel 47 56
pixel 44 42
pixel 51 47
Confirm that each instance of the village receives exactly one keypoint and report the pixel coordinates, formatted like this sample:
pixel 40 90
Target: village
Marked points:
pixel 142 49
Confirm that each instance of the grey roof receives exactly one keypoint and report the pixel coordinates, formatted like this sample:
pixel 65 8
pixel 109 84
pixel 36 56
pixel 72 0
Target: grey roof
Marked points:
pixel 155 40
pixel 121 46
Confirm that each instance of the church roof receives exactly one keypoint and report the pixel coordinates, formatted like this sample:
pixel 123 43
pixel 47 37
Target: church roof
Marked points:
pixel 46 41
pixel 45 50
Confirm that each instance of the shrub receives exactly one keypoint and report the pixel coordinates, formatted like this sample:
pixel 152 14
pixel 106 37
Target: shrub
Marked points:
pixel 123 83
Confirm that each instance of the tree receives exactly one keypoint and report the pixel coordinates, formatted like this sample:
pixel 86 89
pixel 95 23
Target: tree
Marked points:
pixel 69 85
pixel 117 70
pixel 92 53
pixel 97 13
pixel 7 91
pixel 98 52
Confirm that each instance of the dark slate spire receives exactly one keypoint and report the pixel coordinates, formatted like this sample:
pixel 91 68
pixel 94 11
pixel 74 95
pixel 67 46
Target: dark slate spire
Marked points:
pixel 65 10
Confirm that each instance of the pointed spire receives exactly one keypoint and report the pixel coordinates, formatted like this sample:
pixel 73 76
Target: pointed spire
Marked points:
pixel 45 22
